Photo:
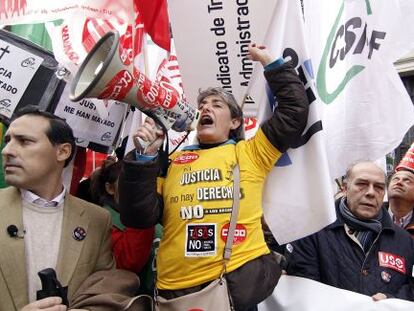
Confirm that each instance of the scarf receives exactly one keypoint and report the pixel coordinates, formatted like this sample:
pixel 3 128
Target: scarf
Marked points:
pixel 365 230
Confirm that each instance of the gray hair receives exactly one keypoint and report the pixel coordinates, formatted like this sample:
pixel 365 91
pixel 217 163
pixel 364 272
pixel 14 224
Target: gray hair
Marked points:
pixel 235 110
pixel 350 168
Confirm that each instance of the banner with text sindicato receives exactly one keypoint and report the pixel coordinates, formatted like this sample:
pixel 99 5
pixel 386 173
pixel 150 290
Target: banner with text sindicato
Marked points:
pixel 17 69
pixel 214 50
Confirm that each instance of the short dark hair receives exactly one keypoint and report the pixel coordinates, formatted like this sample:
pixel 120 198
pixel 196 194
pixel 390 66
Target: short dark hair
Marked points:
pixel 59 132
pixel 235 110
pixel 108 173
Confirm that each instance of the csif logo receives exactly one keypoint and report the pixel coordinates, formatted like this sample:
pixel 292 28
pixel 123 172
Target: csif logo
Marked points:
pixel 28 62
pixel 106 136
pixel 355 43
pixel 5 103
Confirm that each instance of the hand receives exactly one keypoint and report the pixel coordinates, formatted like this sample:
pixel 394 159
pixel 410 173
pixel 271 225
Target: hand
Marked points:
pixel 378 296
pixel 46 304
pixel 260 53
pixel 148 132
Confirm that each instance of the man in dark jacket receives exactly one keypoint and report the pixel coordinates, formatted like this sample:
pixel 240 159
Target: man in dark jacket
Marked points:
pixel 362 251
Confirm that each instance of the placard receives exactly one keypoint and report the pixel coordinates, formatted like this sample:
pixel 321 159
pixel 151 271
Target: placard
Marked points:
pixel 88 125
pixel 17 68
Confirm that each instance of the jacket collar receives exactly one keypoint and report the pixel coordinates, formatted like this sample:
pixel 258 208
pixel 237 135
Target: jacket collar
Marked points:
pixel 198 147
pixel 70 248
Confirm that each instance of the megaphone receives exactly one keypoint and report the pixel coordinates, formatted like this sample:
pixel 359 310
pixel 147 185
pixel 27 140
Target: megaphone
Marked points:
pixel 104 74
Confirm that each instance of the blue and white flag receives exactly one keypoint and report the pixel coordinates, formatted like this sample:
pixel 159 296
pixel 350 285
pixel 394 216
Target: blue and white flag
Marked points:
pixel 298 196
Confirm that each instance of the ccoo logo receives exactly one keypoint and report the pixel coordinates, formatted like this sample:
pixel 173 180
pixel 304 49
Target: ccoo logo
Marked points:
pixel 186 158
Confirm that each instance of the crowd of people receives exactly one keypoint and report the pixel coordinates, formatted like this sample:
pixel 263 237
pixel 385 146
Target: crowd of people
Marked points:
pixel 164 234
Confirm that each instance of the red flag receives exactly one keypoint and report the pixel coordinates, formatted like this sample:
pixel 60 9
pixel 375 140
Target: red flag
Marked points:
pixel 156 22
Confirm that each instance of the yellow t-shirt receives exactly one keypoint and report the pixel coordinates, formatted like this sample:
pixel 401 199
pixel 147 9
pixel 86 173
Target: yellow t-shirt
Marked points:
pixel 197 195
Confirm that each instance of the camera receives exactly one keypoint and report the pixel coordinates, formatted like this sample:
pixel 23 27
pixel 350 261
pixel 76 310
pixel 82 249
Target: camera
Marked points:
pixel 51 286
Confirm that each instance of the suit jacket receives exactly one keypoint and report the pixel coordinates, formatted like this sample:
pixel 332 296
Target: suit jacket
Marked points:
pixel 76 259
pixel 410 226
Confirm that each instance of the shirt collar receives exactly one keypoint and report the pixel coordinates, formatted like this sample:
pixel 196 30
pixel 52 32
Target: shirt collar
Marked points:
pixel 403 221
pixel 30 197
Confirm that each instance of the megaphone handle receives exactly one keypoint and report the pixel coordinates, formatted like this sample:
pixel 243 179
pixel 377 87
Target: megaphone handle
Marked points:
pixel 145 144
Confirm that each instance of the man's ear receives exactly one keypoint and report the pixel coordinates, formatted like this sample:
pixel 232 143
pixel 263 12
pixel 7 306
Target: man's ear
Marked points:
pixel 63 152
pixel 235 123
pixel 345 187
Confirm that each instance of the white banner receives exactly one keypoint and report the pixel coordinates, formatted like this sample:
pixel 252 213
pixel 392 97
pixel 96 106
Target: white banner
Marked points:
pixel 17 68
pixel 213 51
pixel 294 293
pixel 36 11
pixel 298 198
pixel 353 47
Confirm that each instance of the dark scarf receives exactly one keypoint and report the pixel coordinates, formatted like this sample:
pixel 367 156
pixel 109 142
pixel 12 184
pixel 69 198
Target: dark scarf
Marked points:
pixel 365 230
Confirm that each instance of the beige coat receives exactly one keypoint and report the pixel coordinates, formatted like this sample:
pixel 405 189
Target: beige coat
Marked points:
pixel 77 259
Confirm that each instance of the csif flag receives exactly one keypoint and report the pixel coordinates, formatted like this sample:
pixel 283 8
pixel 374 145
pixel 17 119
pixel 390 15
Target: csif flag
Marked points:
pixel 367 110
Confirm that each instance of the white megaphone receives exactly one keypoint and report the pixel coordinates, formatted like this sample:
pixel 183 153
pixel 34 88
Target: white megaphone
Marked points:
pixel 104 74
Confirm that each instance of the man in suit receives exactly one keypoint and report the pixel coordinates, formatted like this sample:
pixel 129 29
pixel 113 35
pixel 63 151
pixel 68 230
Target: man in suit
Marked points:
pixel 54 229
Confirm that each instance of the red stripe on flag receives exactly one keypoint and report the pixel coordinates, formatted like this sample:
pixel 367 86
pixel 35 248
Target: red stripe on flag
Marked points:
pixel 156 22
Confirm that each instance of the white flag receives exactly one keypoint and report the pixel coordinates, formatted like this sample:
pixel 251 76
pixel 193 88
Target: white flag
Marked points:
pixel 35 11
pixel 353 47
pixel 294 293
pixel 298 198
